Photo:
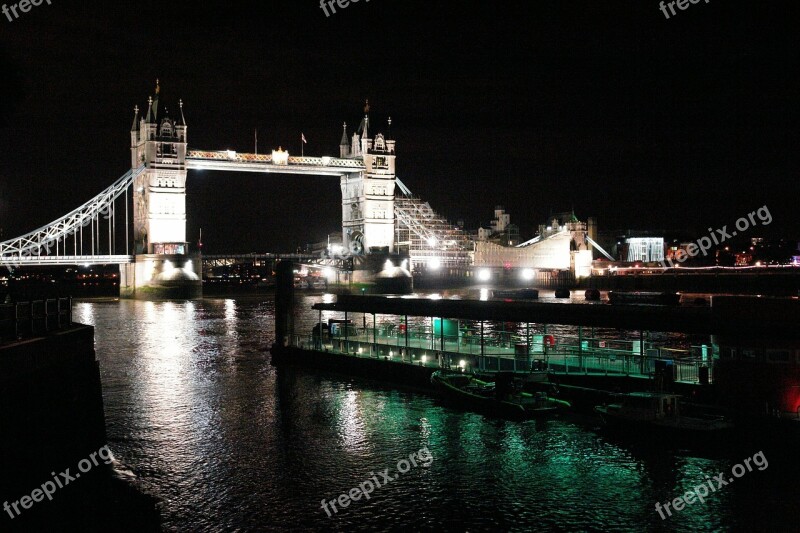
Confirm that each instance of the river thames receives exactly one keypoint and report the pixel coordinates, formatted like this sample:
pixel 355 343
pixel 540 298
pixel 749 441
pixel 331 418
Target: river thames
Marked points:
pixel 227 442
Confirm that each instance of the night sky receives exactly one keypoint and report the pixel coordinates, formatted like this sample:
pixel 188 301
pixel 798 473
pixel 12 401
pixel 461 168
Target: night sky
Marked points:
pixel 607 108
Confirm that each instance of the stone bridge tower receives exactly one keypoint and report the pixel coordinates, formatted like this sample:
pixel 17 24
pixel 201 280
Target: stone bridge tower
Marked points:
pixel 163 265
pixel 368 196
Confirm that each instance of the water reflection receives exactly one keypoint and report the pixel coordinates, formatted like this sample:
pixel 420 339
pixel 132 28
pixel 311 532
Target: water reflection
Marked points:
pixel 230 443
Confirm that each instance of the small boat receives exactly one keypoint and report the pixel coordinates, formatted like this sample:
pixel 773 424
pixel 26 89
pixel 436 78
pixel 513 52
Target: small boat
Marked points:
pixel 651 298
pixel 502 397
pixel 592 295
pixel 538 373
pixel 516 294
pixel 658 413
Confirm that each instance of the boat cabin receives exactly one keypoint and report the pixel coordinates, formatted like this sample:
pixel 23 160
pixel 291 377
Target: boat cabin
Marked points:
pixel 652 405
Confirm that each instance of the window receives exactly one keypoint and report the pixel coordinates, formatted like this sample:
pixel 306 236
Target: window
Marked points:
pixel 778 356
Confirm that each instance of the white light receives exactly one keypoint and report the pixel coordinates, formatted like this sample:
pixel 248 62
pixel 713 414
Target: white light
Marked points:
pixel 280 157
pixel 484 294
pixel 527 274
pixel 484 274
pixel 360 349
pixel 434 263
pixel 432 242
pixel 231 154
pixel 335 248
pixel 140 189
pixel 391 353
pixel 168 266
pixel 424 358
pixel 388 265
pixel 87 265
pixel 328 272
pixel 462 364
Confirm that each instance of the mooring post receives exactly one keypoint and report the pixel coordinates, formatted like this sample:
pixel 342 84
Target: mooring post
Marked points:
pixel 284 303
pixel 407 352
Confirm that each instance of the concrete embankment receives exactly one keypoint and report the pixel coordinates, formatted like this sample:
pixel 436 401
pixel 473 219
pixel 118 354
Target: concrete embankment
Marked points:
pixel 52 428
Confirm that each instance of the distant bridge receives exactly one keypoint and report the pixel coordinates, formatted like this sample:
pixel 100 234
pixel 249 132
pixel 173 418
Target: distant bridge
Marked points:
pixel 378 212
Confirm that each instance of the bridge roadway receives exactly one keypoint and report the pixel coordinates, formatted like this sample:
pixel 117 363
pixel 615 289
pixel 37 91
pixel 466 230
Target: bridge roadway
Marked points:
pixel 213 260
pixel 65 260
pixel 306 259
pixel 234 161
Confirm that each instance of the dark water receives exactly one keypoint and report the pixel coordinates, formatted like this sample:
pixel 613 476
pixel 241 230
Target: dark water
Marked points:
pixel 199 415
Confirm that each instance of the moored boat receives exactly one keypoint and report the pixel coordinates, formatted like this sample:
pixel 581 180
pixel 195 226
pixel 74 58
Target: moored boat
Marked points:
pixel 503 397
pixel 658 413
pixel 651 298
pixel 516 294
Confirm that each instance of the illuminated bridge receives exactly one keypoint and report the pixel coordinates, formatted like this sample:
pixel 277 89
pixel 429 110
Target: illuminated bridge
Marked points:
pixel 139 222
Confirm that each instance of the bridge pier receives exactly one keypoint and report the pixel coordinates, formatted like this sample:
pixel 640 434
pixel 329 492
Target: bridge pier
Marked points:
pixel 162 277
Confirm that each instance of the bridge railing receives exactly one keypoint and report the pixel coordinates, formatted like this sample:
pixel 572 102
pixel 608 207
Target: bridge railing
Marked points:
pixel 230 155
pixel 34 318
pixel 51 238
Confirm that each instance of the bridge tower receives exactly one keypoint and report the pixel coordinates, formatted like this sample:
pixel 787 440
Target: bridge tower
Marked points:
pixel 368 196
pixel 163 265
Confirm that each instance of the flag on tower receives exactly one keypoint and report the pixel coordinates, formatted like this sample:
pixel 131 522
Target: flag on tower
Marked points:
pixel 303 138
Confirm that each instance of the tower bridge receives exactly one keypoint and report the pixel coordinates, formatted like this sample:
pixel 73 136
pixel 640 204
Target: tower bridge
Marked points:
pixel 139 222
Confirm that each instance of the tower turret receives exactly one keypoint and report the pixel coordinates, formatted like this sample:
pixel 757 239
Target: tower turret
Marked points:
pixel 135 129
pixel 344 144
pixel 160 191
pixel 389 138
pixel 368 196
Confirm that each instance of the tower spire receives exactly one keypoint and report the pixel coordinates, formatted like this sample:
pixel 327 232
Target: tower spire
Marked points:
pixel 155 102
pixel 344 141
pixel 149 117
pixel 183 119
pixel 365 133
pixel 134 127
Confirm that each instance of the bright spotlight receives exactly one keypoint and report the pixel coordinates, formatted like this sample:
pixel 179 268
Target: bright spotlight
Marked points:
pixel 527 274
pixel 434 263
pixel 484 274
pixel 432 242
pixel 328 272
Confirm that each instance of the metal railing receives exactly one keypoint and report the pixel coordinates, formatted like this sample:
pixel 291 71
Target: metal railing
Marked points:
pixel 511 353
pixel 35 318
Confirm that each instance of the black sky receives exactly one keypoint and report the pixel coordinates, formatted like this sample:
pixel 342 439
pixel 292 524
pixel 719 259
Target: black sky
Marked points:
pixel 604 107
